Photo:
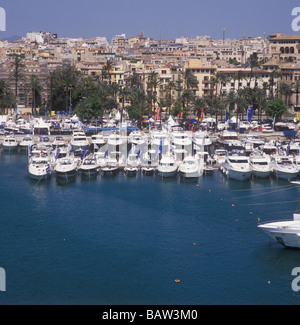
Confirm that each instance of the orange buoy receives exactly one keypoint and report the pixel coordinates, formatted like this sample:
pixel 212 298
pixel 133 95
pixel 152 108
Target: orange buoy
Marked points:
pixel 177 281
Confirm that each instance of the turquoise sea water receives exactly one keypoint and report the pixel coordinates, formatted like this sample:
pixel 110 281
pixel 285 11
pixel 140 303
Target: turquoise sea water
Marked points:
pixel 123 241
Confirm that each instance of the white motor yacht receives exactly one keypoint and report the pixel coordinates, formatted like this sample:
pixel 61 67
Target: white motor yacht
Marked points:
pixel 261 165
pixel 236 166
pixel 115 139
pixel 219 156
pixel 167 166
pixel 66 167
pixel 202 138
pixel 39 167
pixel 98 141
pixel 111 167
pixel 137 138
pixel 89 166
pixel 269 148
pixel 26 142
pixel 226 137
pixel 191 167
pixel 283 167
pixel 79 141
pixel 9 144
pixel 285 233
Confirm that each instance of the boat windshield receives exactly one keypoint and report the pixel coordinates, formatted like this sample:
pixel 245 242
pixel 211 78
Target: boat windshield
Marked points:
pixel 261 163
pixel 238 161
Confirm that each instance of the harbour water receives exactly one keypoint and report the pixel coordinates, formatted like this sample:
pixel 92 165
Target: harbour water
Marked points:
pixel 125 240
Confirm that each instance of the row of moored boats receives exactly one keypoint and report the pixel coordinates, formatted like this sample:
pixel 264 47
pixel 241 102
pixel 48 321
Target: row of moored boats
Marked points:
pixel 189 154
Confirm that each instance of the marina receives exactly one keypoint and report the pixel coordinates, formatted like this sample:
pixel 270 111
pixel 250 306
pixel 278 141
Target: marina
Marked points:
pixel 136 236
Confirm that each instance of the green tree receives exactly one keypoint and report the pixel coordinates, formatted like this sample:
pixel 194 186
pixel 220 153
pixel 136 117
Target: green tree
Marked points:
pixel 276 107
pixel 90 108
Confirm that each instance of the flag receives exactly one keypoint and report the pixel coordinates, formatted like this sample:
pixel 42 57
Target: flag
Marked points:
pixel 106 154
pixel 181 115
pixel 161 145
pixel 156 116
pixel 83 153
pixel 202 115
pixel 250 113
pixel 57 153
pixel 226 116
pixel 138 155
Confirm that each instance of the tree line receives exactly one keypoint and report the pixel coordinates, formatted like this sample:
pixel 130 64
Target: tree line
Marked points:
pixel 90 97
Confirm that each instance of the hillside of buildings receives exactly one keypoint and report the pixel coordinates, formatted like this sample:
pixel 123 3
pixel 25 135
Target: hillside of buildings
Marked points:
pixel 42 73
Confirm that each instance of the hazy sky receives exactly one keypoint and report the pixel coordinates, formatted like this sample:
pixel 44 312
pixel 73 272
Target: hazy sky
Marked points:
pixel 165 19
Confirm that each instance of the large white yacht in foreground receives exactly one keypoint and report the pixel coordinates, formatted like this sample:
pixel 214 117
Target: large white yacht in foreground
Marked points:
pixel 285 233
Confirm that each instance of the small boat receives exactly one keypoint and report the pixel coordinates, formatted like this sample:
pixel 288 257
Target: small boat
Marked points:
pixel 167 166
pixel 286 233
pixel 39 167
pixel 9 144
pixel 130 170
pixel 26 142
pixel 89 166
pixel 190 167
pixel 111 167
pixel 148 170
pixel 66 167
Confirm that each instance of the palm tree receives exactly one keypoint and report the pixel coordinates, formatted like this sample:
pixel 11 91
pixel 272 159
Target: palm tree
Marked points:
pixel 35 87
pixel 17 67
pixel 152 85
pixel 238 76
pixel 296 88
pixel 124 93
pixel 7 98
pixel 107 70
pixel 286 90
pixel 221 79
pixel 191 81
pixel 253 63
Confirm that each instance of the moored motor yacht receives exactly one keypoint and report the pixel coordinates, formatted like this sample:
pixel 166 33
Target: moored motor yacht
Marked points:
pixel 66 167
pixel 285 233
pixel 9 144
pixel 26 142
pixel 236 166
pixel 89 166
pixel 39 167
pixel 191 167
pixel 79 141
pixel 167 166
pixel 283 167
pixel 98 141
pixel 260 164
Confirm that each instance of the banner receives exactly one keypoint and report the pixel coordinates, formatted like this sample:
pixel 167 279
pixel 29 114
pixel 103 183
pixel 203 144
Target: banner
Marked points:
pixel 202 115
pixel 250 113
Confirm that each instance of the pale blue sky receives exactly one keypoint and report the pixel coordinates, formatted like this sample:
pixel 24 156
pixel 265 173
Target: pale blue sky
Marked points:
pixel 165 19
